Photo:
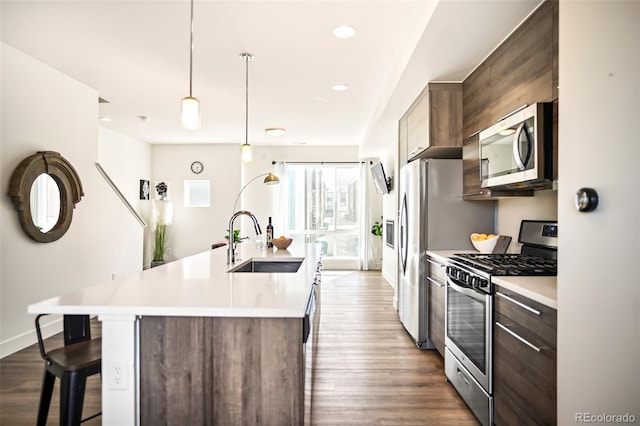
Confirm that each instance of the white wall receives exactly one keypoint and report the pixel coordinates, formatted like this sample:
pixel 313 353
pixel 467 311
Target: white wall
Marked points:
pixel 389 159
pixel 126 171
pixel 43 109
pixel 599 253
pixel 194 229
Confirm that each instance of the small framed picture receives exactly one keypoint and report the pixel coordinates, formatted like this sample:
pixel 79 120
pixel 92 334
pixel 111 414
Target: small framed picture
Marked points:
pixel 144 189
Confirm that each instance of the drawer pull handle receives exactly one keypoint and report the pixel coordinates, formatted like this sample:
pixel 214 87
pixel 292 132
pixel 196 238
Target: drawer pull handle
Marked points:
pixel 463 378
pixel 431 280
pixel 522 339
pixel 522 305
pixel 435 263
pixel 471 194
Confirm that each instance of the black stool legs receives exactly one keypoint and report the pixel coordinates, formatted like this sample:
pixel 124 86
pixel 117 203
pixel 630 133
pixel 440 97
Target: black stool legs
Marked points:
pixel 72 386
pixel 48 381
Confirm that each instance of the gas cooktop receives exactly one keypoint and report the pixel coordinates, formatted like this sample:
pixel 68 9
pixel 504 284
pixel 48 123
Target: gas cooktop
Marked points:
pixel 539 240
pixel 509 264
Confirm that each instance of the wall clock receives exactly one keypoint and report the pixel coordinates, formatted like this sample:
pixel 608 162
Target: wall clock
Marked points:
pixel 197 167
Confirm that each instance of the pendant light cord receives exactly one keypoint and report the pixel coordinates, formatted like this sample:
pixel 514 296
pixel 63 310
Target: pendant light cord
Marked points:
pixel 191 55
pixel 246 111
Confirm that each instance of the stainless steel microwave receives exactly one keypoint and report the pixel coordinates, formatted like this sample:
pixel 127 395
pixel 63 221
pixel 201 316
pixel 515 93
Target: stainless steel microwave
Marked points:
pixel 517 151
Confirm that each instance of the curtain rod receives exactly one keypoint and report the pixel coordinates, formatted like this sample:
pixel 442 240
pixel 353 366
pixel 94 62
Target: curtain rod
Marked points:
pixel 322 162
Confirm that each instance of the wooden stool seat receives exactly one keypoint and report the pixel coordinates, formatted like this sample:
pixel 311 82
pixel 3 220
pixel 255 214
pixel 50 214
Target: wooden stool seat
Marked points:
pixel 78 356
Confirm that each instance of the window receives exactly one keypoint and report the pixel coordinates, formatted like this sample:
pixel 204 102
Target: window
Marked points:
pixel 197 193
pixel 323 206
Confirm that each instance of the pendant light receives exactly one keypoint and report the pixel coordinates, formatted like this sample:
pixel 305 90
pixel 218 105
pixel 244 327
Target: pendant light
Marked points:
pixel 190 105
pixel 247 155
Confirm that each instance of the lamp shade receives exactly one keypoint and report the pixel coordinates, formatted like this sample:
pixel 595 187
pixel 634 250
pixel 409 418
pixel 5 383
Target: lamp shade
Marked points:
pixel 190 113
pixel 247 154
pixel 271 179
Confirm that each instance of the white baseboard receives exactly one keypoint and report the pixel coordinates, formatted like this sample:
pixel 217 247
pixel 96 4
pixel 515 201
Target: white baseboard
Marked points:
pixel 24 340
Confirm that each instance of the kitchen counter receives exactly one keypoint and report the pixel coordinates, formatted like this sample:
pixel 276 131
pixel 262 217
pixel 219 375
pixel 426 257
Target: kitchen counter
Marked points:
pixel 200 285
pixel 541 289
pixel 226 328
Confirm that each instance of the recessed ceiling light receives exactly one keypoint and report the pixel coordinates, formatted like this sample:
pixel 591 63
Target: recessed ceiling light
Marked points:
pixel 340 87
pixel 344 31
pixel 104 119
pixel 275 131
pixel 298 143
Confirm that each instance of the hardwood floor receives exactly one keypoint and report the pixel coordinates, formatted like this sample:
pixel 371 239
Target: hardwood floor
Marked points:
pixel 368 369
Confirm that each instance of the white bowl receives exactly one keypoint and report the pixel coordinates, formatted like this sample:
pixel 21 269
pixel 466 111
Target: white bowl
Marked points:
pixel 484 246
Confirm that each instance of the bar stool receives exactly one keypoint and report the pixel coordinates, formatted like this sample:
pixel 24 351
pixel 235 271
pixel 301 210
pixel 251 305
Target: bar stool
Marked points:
pixel 79 358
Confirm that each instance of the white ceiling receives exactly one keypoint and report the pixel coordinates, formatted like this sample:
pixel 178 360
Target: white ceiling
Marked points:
pixel 136 55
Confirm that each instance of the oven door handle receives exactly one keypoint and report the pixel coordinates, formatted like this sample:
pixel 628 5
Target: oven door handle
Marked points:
pixel 465 290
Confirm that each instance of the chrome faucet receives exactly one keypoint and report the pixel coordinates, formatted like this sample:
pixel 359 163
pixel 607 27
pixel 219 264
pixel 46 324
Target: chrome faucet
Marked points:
pixel 231 252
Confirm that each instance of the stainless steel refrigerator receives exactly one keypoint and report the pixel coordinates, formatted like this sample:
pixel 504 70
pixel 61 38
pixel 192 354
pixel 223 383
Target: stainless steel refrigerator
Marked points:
pixel 433 216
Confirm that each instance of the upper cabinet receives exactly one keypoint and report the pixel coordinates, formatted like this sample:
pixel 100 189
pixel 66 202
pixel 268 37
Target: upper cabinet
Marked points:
pixel 522 70
pixel 432 126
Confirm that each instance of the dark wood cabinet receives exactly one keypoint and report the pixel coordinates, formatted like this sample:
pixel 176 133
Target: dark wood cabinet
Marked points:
pixel 524 361
pixel 432 126
pixel 522 70
pixel 436 305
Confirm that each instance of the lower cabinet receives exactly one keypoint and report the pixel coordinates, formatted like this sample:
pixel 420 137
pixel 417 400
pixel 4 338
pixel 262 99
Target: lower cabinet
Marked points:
pixel 524 361
pixel 436 285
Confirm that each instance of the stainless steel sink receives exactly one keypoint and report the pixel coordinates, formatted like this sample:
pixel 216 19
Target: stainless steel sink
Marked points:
pixel 255 265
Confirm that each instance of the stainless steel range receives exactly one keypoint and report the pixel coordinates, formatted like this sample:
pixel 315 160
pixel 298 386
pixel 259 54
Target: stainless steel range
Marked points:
pixel 469 313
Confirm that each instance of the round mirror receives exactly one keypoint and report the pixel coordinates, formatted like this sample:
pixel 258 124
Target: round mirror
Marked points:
pixel 45 202
pixel 44 189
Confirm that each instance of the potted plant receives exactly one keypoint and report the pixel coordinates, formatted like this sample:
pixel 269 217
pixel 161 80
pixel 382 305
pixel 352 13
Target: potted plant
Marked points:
pixel 376 229
pixel 162 216
pixel 236 236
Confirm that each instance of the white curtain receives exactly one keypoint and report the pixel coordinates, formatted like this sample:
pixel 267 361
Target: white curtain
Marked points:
pixel 367 260
pixel 280 220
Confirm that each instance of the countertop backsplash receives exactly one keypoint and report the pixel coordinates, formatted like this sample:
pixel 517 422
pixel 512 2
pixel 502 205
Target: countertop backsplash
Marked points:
pixel 510 212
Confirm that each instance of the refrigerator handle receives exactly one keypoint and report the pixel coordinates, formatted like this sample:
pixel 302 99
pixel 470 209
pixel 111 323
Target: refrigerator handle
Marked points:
pixel 403 233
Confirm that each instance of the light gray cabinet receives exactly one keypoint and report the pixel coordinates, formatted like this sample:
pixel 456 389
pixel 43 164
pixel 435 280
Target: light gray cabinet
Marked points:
pixel 432 126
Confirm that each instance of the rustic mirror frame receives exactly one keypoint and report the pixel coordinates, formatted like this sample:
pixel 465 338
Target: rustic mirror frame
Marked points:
pixel 64 175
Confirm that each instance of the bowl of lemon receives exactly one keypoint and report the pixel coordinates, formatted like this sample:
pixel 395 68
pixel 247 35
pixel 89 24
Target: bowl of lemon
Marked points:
pixel 282 243
pixel 484 243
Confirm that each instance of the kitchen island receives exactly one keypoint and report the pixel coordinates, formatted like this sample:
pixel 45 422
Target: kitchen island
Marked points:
pixel 196 341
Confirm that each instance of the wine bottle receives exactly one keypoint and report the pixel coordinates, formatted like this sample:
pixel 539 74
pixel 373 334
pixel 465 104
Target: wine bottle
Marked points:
pixel 270 233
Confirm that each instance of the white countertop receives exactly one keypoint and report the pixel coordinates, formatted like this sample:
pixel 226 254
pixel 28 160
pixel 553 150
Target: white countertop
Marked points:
pixel 541 289
pixel 200 285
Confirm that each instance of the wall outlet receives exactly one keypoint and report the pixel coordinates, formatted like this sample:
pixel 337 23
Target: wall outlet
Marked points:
pixel 168 251
pixel 118 375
